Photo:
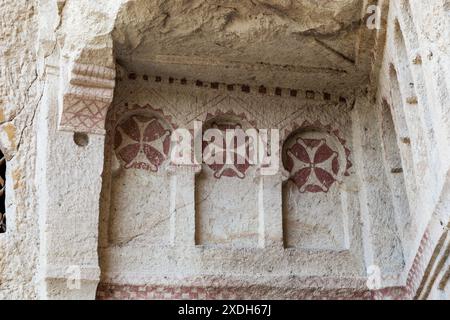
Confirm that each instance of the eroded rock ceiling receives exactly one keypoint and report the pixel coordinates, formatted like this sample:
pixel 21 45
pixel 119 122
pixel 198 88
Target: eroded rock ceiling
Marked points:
pixel 287 43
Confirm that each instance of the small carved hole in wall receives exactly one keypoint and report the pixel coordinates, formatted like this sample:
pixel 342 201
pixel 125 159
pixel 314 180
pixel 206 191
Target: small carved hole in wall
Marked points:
pixel 310 94
pixel 406 140
pixel 2 193
pixel 81 139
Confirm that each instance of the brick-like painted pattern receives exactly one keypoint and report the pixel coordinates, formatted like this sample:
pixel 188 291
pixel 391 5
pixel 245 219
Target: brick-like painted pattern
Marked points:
pixel 415 275
pixel 146 292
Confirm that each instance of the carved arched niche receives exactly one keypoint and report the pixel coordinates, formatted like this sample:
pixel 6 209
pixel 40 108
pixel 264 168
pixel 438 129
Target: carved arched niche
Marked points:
pixel 314 203
pixel 226 193
pixel 139 197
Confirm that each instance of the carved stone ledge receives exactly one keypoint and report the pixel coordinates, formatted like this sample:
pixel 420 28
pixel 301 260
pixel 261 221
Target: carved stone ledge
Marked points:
pixel 174 169
pixel 282 173
pixel 87 98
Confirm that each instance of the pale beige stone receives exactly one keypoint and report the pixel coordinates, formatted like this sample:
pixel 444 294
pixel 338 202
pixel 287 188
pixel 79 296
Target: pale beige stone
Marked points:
pixel 77 215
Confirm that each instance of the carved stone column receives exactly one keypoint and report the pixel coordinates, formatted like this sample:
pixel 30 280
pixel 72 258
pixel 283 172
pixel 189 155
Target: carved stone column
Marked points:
pixel 270 208
pixel 182 204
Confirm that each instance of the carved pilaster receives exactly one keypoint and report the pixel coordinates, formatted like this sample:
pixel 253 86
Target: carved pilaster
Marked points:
pixel 270 208
pixel 182 203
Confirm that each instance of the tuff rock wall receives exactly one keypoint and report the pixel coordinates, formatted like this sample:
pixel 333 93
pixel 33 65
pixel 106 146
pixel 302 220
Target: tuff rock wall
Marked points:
pixel 21 89
pixel 63 63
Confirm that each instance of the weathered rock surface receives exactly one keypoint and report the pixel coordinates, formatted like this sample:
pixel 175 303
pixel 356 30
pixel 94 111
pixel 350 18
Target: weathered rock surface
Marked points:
pixel 20 92
pixel 364 119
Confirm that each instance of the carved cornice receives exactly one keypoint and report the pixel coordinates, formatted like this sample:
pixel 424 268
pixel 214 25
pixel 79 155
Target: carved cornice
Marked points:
pixel 262 90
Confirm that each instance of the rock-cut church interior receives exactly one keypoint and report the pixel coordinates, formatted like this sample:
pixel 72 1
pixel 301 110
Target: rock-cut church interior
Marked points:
pixel 357 208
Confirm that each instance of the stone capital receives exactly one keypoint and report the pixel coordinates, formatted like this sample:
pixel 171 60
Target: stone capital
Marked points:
pixel 86 98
